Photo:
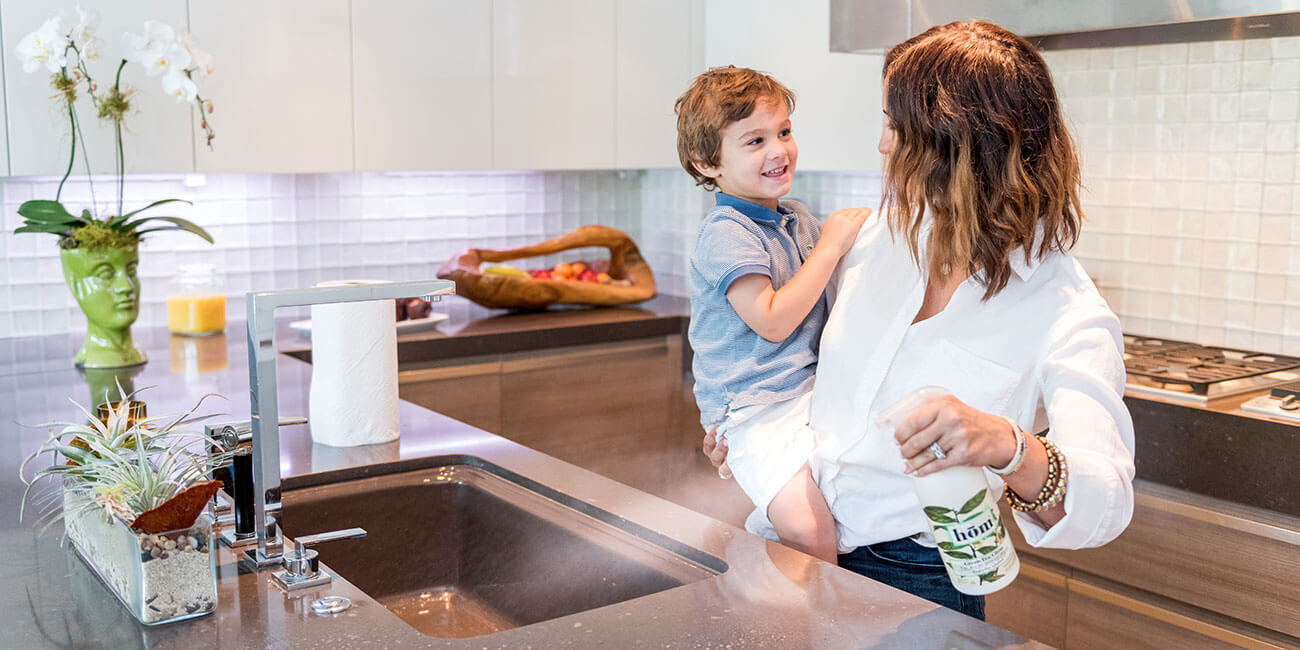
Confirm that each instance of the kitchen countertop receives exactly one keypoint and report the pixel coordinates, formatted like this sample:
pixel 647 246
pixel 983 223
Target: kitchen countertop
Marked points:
pixel 769 597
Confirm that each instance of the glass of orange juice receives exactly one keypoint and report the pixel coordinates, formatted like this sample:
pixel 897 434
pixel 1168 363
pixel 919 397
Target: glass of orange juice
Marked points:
pixel 196 304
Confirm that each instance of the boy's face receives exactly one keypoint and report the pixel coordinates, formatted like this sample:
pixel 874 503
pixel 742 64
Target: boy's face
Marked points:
pixel 757 156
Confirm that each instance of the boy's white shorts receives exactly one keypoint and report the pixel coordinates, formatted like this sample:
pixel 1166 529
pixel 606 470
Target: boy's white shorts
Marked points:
pixel 767 444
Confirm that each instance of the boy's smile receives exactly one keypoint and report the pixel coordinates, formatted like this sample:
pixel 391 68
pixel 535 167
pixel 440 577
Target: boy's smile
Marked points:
pixel 757 156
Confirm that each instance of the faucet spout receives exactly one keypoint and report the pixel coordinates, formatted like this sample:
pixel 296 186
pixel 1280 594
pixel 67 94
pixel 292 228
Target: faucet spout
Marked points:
pixel 261 308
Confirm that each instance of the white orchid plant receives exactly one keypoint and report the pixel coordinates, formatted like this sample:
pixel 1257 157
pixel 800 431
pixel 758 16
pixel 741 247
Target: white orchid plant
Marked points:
pixel 63 48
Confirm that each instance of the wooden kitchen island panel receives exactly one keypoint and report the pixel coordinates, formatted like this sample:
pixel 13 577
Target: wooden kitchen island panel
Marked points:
pixel 1103 615
pixel 1180 549
pixel 1190 571
pixel 607 407
pixel 614 408
pixel 467 389
pixel 1034 604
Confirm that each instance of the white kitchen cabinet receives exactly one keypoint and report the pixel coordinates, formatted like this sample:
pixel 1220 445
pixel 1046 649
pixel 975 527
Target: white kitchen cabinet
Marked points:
pixel 553 69
pixel 423 84
pixel 157 131
pixel 660 49
pixel 282 88
pixel 4 124
pixel 837 117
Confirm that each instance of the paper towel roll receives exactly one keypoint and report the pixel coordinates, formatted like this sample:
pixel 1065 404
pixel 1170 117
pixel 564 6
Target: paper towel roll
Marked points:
pixel 354 371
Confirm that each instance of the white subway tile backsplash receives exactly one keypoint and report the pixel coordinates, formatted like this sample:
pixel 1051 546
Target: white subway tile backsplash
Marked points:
pixel 1286 47
pixel 1227 50
pixel 1283 105
pixel 1200 78
pixel 1123 81
pixel 1254 105
pixel 1235 157
pixel 1226 137
pixel 1285 74
pixel 1257 49
pixel 1280 136
pixel 1226 77
pixel 1247 196
pixel 1256 75
pixel 1279 167
pixel 1202 52
pixel 1277 198
pixel 1214 258
pixel 1251 136
pixel 1270 287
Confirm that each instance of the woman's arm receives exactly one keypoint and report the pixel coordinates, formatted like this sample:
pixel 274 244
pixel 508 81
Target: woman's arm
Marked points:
pixel 1082 379
pixel 1082 385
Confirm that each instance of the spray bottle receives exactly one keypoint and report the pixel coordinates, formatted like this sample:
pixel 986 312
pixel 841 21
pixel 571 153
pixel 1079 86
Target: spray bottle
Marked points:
pixel 962 513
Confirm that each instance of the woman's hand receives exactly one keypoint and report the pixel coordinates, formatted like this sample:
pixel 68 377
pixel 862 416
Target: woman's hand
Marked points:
pixel 965 435
pixel 716 450
pixel 972 437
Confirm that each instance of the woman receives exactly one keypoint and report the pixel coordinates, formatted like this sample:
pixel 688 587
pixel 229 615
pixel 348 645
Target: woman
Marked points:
pixel 967 284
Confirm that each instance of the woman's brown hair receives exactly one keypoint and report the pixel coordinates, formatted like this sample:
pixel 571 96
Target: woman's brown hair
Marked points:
pixel 981 144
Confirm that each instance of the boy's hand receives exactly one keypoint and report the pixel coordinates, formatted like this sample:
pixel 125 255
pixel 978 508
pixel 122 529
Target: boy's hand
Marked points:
pixel 841 230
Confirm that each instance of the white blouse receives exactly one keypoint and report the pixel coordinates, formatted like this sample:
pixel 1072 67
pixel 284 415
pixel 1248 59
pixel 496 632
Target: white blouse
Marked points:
pixel 1045 351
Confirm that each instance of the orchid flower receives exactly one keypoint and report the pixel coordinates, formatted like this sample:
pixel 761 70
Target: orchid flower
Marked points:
pixel 202 61
pixel 83 35
pixel 178 84
pixel 46 46
pixel 156 49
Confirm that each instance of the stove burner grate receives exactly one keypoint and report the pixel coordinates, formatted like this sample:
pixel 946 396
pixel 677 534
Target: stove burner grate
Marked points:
pixel 1195 366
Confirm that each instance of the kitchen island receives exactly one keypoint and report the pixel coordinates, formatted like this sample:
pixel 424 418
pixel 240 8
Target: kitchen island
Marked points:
pixel 768 596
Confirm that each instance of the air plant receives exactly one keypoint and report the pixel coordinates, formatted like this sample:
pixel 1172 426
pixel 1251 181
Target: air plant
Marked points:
pixel 123 467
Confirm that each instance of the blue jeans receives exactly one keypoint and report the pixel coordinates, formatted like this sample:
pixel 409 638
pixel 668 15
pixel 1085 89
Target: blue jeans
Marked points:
pixel 918 570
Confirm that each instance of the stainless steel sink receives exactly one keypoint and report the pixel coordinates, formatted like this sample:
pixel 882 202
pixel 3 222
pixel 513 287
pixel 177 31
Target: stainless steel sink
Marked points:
pixel 464 548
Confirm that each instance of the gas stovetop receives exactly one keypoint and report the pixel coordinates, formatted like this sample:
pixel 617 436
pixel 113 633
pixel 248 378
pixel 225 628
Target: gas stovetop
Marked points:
pixel 1198 373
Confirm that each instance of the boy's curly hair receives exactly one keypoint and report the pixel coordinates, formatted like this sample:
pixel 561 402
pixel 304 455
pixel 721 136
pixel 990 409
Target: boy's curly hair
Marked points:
pixel 716 98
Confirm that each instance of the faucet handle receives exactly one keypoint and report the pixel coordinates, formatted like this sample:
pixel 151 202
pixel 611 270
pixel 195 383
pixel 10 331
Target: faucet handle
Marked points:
pixel 300 544
pixel 232 433
pixel 302 565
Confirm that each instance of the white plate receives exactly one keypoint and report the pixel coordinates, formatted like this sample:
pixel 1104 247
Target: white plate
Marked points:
pixel 403 326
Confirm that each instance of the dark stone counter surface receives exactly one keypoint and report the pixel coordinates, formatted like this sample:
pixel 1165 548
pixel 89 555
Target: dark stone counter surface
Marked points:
pixel 769 596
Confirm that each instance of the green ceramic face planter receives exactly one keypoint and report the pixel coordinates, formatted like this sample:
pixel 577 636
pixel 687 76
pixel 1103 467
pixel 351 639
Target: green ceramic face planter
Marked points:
pixel 105 285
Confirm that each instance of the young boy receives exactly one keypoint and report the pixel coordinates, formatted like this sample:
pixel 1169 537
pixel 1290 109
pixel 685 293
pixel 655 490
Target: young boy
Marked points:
pixel 758 276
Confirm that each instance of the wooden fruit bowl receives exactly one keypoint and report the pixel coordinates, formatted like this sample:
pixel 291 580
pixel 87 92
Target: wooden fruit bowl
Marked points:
pixel 519 292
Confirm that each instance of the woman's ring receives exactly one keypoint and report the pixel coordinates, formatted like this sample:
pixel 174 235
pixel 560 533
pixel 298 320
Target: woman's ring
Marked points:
pixel 937 451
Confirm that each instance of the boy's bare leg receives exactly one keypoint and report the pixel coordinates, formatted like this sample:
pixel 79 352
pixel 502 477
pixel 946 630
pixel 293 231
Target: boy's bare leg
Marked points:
pixel 802 519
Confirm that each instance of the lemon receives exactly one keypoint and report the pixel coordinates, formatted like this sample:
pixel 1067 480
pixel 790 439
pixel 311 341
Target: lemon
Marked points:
pixel 504 270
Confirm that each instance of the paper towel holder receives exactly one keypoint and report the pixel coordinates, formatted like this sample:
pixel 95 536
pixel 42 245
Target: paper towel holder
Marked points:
pixel 261 306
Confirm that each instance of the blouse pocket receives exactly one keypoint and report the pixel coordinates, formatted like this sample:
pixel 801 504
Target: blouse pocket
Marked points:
pixel 978 382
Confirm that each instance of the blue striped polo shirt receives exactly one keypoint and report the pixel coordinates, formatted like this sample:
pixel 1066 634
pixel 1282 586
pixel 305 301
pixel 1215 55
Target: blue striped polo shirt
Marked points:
pixel 734 366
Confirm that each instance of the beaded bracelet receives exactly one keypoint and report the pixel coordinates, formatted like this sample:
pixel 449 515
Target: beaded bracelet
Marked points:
pixel 1053 492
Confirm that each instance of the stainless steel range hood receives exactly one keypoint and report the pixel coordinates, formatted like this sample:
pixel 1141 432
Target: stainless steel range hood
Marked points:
pixel 875 25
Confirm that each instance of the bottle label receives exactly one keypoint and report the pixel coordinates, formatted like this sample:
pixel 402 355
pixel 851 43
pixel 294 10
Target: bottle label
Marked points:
pixel 972 540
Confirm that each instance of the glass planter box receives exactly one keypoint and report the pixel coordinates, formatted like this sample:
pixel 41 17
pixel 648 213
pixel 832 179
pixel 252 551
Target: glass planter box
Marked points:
pixel 159 578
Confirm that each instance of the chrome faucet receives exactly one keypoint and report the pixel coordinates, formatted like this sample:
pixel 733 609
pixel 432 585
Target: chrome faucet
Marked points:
pixel 261 308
